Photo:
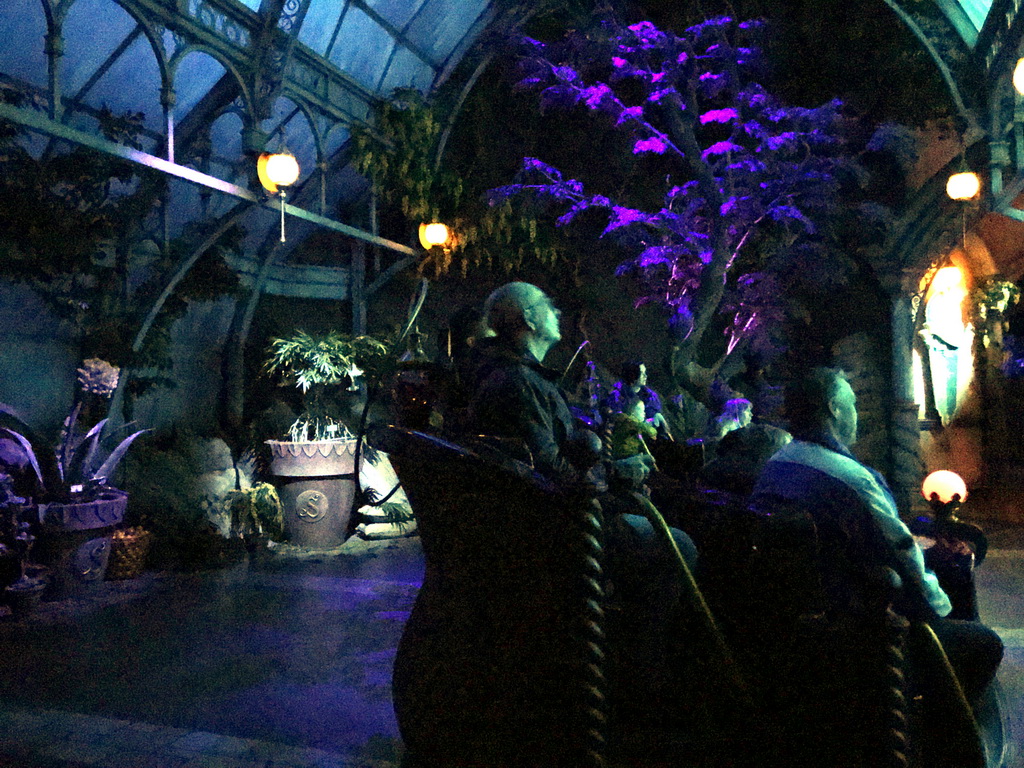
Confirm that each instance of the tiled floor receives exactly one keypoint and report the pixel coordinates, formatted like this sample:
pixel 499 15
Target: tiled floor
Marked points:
pixel 279 663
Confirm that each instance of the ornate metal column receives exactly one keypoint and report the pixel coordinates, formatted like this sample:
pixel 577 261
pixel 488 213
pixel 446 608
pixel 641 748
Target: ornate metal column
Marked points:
pixel 357 288
pixel 168 98
pixel 905 465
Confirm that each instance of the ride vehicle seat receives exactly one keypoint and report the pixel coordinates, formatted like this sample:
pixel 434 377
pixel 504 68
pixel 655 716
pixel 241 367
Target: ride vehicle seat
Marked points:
pixel 509 655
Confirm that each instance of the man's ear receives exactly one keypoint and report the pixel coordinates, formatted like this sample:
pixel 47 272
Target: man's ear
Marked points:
pixel 528 322
pixel 834 408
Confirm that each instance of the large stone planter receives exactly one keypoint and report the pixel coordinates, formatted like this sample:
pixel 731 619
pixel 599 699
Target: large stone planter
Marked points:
pixel 74 540
pixel 316 483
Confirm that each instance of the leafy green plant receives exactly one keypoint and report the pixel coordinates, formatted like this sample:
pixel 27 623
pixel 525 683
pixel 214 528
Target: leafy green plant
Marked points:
pixel 396 514
pixel 256 510
pixel 163 497
pixel 317 363
pixel 400 156
pixel 75 230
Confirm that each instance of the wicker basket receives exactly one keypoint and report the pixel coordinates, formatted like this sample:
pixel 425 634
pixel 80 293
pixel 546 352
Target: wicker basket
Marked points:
pixel 128 550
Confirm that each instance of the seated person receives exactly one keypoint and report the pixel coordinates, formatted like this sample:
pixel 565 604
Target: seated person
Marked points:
pixel 737 413
pixel 634 384
pixel 629 430
pixel 454 377
pixel 586 399
pixel 740 457
pixel 519 398
pixel 817 471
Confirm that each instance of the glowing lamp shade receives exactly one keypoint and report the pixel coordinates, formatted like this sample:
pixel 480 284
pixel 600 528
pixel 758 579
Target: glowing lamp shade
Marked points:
pixel 945 485
pixel 277 170
pixel 1018 76
pixel 433 234
pixel 963 186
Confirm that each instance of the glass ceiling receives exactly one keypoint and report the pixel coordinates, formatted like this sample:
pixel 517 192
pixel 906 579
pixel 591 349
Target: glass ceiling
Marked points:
pixel 976 10
pixel 213 84
pixel 215 80
pixel 967 16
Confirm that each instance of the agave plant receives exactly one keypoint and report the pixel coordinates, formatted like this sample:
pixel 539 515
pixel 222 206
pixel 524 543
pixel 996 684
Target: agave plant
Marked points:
pixel 75 467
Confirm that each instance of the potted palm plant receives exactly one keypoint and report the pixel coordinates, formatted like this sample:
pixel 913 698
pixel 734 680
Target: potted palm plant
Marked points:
pixel 315 468
pixel 75 508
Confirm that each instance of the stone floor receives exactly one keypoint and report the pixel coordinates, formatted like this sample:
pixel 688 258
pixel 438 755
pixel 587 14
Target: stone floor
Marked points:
pixel 280 662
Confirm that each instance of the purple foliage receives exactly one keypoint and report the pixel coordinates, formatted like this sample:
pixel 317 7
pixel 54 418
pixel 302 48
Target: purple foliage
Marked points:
pixel 630 113
pixel 784 140
pixel 761 165
pixel 653 144
pixel 782 212
pixel 572 213
pixel 533 164
pixel 596 94
pixel 566 75
pixel 720 148
pixel 715 24
pixel 624 217
pixel 656 96
pixel 726 115
pixel 655 255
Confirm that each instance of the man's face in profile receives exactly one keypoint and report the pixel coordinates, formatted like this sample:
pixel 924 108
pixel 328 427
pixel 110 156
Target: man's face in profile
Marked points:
pixel 546 317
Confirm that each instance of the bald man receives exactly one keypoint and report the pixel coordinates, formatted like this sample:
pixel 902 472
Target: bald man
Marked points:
pixel 518 397
pixel 817 472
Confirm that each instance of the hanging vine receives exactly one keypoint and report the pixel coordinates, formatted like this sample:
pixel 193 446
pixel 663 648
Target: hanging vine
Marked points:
pixel 399 156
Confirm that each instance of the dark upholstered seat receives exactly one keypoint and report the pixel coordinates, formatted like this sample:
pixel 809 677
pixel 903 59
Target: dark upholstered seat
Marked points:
pixel 847 672
pixel 496 666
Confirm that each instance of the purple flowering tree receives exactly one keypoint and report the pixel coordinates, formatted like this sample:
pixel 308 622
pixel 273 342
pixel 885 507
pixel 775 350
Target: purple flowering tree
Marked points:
pixel 748 182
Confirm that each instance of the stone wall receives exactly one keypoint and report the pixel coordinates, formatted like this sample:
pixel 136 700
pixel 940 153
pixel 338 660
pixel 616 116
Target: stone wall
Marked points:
pixel 865 361
pixel 39 356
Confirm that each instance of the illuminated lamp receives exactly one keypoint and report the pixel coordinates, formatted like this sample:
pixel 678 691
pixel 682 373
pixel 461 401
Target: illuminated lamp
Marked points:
pixel 963 186
pixel 944 487
pixel 433 234
pixel 1018 76
pixel 276 170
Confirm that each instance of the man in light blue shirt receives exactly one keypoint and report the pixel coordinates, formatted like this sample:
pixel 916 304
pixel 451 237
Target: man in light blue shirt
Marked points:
pixel 817 472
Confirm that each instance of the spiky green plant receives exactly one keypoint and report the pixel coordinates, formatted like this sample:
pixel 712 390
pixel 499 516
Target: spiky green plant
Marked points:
pixel 75 466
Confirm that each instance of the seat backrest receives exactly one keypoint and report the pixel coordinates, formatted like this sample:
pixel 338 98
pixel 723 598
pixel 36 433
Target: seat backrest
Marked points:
pixel 843 561
pixel 845 600
pixel 493 658
pixel 680 460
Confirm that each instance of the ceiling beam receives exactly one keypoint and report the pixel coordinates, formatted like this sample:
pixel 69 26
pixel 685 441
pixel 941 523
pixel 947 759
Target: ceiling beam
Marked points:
pixel 36 121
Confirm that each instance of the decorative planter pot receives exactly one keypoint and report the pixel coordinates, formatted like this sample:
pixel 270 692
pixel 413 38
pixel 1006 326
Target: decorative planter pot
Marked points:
pixel 74 540
pixel 316 483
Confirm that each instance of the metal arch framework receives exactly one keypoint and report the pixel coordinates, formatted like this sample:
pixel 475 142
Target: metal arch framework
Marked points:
pixel 263 61
pixel 948 77
pixel 996 119
pixel 41 124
